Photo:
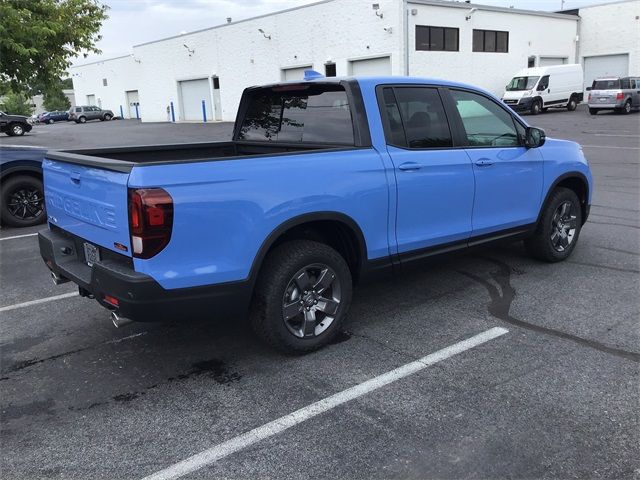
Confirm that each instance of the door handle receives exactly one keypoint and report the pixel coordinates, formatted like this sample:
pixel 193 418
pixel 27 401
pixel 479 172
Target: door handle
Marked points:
pixel 409 166
pixel 484 162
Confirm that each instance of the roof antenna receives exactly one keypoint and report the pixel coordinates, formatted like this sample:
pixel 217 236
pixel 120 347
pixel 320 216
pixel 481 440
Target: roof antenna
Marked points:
pixel 312 75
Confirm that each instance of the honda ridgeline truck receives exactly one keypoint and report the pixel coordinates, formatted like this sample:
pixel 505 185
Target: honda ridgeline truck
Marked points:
pixel 326 182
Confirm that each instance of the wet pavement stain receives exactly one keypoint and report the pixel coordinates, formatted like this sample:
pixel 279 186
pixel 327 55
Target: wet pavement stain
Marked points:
pixel 500 306
pixel 214 368
pixel 15 412
pixel 127 397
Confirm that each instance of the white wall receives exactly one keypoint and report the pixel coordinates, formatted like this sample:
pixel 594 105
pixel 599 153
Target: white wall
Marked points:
pixel 122 74
pixel 612 29
pixel 529 35
pixel 241 56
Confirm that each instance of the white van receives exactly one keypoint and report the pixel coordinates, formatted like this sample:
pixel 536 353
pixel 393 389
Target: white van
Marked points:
pixel 536 89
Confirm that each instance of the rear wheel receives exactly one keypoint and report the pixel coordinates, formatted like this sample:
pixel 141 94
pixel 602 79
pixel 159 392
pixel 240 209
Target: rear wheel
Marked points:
pixel 593 111
pixel 22 201
pixel 559 227
pixel 107 117
pixel 626 109
pixel 572 105
pixel 302 296
pixel 82 120
pixel 50 121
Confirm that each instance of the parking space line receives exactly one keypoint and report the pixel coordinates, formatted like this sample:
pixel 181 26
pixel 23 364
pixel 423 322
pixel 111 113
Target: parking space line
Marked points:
pixel 19 236
pixel 212 455
pixel 610 146
pixel 36 302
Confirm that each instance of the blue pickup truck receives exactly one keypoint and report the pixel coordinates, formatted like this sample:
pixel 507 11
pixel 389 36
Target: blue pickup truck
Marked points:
pixel 327 182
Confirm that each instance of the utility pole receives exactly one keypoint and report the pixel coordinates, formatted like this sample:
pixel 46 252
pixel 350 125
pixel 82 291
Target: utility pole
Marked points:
pixel 561 4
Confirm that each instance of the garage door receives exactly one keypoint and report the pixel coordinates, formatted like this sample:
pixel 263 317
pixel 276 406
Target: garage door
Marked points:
pixel 192 93
pixel 548 61
pixel 297 73
pixel 605 66
pixel 371 66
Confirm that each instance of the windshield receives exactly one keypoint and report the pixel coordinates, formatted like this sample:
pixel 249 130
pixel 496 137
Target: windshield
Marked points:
pixel 522 83
pixel 606 84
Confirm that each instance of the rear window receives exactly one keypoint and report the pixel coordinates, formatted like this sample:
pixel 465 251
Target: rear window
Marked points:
pixel 299 113
pixel 606 84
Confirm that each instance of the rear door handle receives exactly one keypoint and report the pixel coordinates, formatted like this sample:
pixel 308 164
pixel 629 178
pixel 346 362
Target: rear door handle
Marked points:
pixel 409 166
pixel 484 162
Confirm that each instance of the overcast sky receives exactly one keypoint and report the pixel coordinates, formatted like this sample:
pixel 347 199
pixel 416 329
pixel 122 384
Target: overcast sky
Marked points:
pixel 137 21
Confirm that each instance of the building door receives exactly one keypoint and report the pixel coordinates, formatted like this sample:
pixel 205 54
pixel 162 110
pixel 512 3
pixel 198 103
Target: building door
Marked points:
pixel 371 66
pixel 605 66
pixel 297 73
pixel 549 61
pixel 192 94
pixel 91 99
pixel 133 104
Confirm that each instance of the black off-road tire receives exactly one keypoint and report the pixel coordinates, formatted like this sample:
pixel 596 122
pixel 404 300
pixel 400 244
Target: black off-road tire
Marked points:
pixel 278 270
pixel 540 245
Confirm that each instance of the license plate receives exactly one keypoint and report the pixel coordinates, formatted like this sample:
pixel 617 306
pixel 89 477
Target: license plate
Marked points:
pixel 604 99
pixel 91 254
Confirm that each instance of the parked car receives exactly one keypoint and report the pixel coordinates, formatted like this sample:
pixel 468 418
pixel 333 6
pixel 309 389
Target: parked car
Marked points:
pixel 82 114
pixel 14 125
pixel 52 117
pixel 614 93
pixel 536 89
pixel 21 191
pixel 326 183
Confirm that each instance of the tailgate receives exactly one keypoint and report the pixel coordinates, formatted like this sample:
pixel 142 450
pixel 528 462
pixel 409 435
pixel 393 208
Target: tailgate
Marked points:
pixel 89 202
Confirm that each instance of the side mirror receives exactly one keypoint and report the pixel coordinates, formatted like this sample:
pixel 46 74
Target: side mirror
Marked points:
pixel 534 137
pixel 588 89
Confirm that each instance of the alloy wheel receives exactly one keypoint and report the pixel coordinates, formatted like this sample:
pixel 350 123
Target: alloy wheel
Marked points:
pixel 25 203
pixel 311 300
pixel 563 226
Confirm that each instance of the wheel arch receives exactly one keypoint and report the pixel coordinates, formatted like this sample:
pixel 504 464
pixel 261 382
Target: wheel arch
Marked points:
pixel 336 229
pixel 575 181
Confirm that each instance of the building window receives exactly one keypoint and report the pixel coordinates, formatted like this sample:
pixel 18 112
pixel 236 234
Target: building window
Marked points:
pixel 490 41
pixel 330 70
pixel 104 82
pixel 216 83
pixel 443 39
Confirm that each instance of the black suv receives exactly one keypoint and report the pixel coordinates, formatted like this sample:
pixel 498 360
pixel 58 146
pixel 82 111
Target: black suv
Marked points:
pixel 14 125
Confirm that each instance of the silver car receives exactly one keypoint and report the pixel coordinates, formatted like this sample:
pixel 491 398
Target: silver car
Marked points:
pixel 621 94
pixel 83 113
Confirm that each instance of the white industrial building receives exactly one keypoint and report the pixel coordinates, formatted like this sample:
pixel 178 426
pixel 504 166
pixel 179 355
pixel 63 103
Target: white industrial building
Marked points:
pixel 200 75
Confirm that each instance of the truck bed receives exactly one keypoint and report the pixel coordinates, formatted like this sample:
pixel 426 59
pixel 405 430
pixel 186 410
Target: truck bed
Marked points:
pixel 123 159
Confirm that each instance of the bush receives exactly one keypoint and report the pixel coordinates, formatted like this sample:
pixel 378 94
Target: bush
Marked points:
pixel 54 99
pixel 16 104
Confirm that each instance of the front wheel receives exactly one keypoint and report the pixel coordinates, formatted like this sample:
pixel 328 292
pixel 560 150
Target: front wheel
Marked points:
pixel 536 107
pixel 302 296
pixel 559 228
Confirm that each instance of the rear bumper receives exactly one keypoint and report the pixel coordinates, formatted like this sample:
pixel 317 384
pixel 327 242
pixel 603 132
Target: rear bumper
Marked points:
pixel 607 106
pixel 139 296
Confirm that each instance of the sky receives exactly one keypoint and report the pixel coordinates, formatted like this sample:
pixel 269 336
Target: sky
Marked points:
pixel 137 21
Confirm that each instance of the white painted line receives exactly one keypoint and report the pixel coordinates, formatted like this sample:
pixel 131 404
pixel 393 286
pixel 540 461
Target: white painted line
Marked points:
pixel 19 236
pixel 613 135
pixel 270 429
pixel 607 146
pixel 37 302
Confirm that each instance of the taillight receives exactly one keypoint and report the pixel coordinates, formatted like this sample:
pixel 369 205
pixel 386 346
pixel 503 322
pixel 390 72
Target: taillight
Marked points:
pixel 589 99
pixel 619 96
pixel 150 220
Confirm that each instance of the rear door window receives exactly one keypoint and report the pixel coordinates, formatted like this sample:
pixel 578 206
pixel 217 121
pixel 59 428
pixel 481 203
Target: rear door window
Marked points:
pixel 606 84
pixel 299 114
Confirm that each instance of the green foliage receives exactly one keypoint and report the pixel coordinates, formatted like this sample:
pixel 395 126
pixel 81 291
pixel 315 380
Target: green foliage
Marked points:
pixel 67 84
pixel 16 104
pixel 54 99
pixel 39 38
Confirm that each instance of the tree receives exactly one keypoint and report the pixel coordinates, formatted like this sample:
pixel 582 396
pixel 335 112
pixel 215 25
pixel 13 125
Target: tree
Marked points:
pixel 55 99
pixel 39 38
pixel 16 104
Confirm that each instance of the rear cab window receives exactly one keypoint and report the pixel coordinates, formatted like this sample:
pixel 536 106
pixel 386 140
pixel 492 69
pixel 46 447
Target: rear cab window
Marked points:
pixel 313 113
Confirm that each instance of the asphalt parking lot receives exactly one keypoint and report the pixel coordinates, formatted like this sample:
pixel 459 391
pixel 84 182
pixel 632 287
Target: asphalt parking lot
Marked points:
pixel 554 395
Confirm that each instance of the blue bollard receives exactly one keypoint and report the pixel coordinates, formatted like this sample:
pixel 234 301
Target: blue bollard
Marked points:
pixel 173 113
pixel 121 112
pixel 204 112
